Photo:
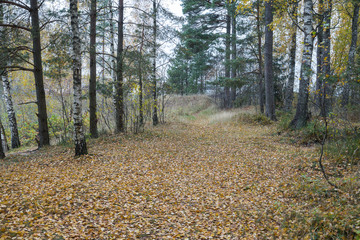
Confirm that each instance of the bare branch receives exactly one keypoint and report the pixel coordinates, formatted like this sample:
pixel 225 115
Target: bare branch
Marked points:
pixel 15 26
pixel 25 103
pixel 19 68
pixel 23 6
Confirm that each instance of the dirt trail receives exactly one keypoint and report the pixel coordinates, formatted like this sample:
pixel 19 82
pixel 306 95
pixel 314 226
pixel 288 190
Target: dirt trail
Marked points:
pixel 197 180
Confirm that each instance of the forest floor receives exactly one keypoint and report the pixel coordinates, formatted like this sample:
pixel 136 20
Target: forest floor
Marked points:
pixel 206 176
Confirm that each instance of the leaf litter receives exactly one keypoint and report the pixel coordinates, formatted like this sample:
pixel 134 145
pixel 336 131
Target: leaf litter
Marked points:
pixel 181 180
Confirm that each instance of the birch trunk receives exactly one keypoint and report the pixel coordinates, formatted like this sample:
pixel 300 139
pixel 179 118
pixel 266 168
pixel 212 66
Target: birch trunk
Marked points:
pixel 2 152
pixel 15 140
pixel 301 116
pixel 289 91
pixel 38 74
pixel 352 51
pixel 119 98
pixel 92 83
pixel 155 108
pixel 79 138
pixel 269 75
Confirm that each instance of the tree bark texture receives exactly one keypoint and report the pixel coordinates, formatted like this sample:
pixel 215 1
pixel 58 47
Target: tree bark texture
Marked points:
pixel 325 106
pixel 352 52
pixel 15 140
pixel 301 116
pixel 4 59
pixel 92 83
pixel 155 107
pixel 227 59
pixel 79 138
pixel 233 53
pixel 38 74
pixel 269 75
pixel 2 152
pixel 119 98
pixel 289 91
pixel 320 55
pixel 112 50
pixel 261 76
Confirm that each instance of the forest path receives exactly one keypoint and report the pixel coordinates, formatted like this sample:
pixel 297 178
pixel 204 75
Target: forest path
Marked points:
pixel 199 179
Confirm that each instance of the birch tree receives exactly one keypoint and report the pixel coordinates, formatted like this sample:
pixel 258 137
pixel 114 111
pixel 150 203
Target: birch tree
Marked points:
pixel 79 138
pixel 301 116
pixel 2 152
pixel 4 59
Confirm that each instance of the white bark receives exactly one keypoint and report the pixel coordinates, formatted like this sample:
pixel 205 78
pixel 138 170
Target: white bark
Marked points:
pixel 15 140
pixel 79 138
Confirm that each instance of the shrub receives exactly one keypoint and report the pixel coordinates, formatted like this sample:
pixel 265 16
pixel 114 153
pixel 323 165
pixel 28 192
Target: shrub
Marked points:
pixel 258 119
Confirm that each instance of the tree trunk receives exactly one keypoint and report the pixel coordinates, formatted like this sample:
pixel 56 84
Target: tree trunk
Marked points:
pixel 261 76
pixel 301 117
pixel 92 83
pixel 38 74
pixel 289 91
pixel 320 55
pixel 352 51
pixel 269 75
pixel 227 60
pixel 326 89
pixel 155 108
pixel 79 138
pixel 2 152
pixel 119 98
pixel 112 50
pixel 15 140
pixel 141 107
pixel 233 51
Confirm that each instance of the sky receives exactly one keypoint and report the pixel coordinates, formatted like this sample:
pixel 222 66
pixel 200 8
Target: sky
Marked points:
pixel 174 6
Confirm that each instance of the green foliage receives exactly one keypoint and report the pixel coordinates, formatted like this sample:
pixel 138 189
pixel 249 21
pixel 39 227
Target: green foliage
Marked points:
pixel 345 149
pixel 257 119
pixel 28 132
pixel 313 132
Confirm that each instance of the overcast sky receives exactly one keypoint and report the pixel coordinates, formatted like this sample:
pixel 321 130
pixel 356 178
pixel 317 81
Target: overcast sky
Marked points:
pixel 174 6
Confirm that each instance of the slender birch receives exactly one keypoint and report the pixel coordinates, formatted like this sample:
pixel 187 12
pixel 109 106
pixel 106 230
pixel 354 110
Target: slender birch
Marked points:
pixel 79 138
pixel 15 140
